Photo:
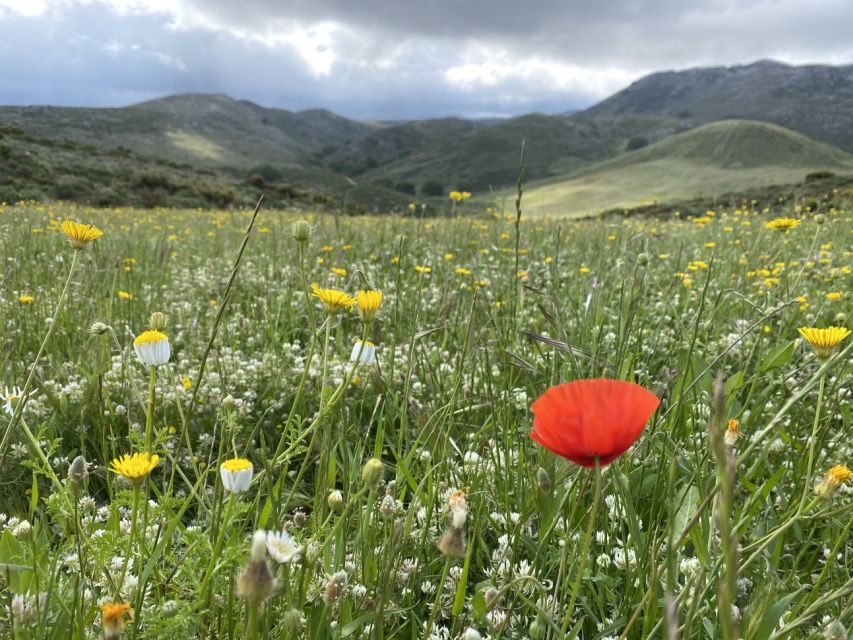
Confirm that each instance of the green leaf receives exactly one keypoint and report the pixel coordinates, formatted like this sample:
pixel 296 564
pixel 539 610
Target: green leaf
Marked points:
pixel 734 382
pixel 771 617
pixel 265 514
pixel 778 356
pixel 689 504
pixel 462 587
pixel 351 627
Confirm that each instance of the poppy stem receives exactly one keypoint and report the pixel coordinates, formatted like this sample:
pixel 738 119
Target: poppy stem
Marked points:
pixel 587 541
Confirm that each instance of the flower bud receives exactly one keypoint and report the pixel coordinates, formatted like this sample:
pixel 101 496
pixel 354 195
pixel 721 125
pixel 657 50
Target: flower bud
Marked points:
pixel 544 480
pixel 292 623
pixel 388 506
pixel 820 218
pixel 78 470
pixel 643 259
pixel 301 230
pixel 372 472
pixel 490 595
pixel 157 320
pixel 335 501
pixel 536 630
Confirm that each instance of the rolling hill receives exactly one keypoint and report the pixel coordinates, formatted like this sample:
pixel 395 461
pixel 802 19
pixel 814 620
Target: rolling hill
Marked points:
pixel 711 160
pixel 814 100
pixel 212 139
pixel 476 157
pixel 203 129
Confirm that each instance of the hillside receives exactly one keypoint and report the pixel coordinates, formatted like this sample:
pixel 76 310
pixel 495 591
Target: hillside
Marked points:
pixel 708 161
pixel 477 157
pixel 375 165
pixel 204 129
pixel 814 100
pixel 40 168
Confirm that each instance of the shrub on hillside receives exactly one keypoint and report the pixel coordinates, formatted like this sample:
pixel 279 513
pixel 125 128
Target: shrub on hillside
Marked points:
pixel 637 142
pixel 266 171
pixel 432 188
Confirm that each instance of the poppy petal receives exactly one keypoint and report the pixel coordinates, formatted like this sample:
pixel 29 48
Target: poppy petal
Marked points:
pixel 595 418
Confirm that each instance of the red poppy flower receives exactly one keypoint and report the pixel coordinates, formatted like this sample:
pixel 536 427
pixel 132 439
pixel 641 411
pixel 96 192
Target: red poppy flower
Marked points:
pixel 588 419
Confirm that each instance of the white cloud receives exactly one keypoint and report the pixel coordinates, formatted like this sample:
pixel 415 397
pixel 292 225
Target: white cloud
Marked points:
pixel 491 68
pixel 29 8
pixel 393 59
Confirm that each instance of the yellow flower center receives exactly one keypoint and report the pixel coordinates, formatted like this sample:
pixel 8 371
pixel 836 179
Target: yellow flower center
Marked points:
pixel 236 464
pixel 150 336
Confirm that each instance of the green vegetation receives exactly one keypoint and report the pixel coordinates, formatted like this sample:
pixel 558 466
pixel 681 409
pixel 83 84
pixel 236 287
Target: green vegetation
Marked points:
pixel 705 163
pixel 304 490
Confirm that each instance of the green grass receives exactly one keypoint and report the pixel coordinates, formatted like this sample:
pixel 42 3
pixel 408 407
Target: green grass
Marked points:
pixel 258 371
pixel 709 161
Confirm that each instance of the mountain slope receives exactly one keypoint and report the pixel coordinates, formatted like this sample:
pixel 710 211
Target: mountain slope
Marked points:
pixel 711 160
pixel 477 157
pixel 203 129
pixel 814 100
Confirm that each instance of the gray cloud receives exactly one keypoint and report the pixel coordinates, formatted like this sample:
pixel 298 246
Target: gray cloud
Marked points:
pixel 392 59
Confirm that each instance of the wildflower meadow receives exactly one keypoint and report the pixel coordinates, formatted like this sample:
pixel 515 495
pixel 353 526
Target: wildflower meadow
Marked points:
pixel 275 424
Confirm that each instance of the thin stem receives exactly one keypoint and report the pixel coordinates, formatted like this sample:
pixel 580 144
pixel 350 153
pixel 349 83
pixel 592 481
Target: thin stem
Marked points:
pixel 149 415
pixel 587 540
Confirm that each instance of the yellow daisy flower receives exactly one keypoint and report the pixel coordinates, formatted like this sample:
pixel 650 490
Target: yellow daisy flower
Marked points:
pixel 333 300
pixel 824 341
pixel 833 479
pixel 368 304
pixel 135 467
pixel 782 224
pixel 78 234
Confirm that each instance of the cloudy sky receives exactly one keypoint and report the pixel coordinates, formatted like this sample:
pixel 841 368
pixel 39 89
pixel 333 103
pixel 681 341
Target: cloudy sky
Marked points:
pixel 393 58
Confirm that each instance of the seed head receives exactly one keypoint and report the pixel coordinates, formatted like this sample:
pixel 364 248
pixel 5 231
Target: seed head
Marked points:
pixel 335 587
pixel 98 328
pixel 452 543
pixel 835 631
pixel 255 583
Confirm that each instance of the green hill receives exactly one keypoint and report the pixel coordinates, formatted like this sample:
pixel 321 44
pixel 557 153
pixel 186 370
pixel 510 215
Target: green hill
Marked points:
pixel 204 129
pixel 477 157
pixel 721 157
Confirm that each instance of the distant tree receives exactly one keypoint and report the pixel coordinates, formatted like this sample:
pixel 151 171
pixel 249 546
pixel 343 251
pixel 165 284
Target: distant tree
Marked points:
pixel 405 187
pixel 637 142
pixel 268 172
pixel 432 188
pixel 256 181
pixel 819 175
pixel 684 113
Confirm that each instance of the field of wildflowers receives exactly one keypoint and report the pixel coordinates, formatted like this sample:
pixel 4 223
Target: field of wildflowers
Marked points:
pixel 224 425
